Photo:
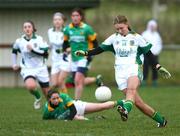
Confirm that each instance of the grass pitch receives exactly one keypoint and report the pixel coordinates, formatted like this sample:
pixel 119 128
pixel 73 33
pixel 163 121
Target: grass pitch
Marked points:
pixel 18 118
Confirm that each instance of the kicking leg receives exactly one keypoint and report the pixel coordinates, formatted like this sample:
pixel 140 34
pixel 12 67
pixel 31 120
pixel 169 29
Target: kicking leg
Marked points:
pixel 125 106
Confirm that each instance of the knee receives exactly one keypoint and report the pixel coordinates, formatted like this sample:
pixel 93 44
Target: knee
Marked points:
pixel 131 90
pixel 31 86
pixel 60 83
pixel 78 83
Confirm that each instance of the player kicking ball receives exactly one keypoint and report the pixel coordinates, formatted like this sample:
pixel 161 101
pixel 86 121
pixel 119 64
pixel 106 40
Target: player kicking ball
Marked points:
pixel 128 48
pixel 60 106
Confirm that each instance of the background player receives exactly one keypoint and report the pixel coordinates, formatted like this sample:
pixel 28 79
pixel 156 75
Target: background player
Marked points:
pixel 60 64
pixel 34 52
pixel 76 36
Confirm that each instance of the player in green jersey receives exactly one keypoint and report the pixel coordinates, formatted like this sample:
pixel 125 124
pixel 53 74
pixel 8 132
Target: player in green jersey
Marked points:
pixel 128 48
pixel 61 106
pixel 76 37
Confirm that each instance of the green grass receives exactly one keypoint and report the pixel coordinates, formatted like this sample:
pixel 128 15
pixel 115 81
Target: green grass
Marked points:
pixel 18 118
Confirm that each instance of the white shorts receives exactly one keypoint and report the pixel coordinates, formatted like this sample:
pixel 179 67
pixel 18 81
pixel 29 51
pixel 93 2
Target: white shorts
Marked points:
pixel 78 64
pixel 80 107
pixel 122 73
pixel 61 66
pixel 41 73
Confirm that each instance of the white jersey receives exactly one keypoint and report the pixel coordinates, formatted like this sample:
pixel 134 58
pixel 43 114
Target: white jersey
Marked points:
pixel 31 59
pixel 56 40
pixel 127 49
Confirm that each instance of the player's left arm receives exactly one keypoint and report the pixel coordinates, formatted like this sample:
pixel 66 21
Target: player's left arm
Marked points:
pixel 163 71
pixel 92 36
pixel 145 48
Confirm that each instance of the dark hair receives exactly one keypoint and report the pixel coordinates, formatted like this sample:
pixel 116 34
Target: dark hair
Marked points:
pixel 80 11
pixel 32 23
pixel 50 93
pixel 121 19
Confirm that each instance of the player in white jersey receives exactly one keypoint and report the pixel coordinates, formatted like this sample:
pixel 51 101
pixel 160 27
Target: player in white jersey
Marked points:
pixel 128 48
pixel 34 52
pixel 60 62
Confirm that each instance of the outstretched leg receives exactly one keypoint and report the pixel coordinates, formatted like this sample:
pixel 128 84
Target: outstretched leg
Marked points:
pixel 149 111
pixel 95 107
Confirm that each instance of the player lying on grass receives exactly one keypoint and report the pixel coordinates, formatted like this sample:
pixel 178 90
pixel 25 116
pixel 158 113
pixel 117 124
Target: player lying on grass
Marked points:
pixel 61 106
pixel 128 48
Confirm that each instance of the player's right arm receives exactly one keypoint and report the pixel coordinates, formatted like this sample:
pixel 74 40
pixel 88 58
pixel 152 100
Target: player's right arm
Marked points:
pixel 107 45
pixel 15 51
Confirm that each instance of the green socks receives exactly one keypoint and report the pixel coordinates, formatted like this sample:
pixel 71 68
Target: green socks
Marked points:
pixel 36 94
pixel 157 117
pixel 119 102
pixel 128 104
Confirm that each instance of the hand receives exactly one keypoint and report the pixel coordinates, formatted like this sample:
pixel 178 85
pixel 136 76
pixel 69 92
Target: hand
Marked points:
pixel 65 57
pixel 15 67
pixel 78 117
pixel 68 50
pixel 164 73
pixel 81 53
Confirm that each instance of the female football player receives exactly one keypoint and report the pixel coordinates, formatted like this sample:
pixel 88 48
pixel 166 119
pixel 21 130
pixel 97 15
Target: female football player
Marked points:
pixel 76 36
pixel 60 64
pixel 128 48
pixel 34 52
pixel 61 106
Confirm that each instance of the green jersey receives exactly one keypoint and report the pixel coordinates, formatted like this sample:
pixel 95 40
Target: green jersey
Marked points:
pixel 78 38
pixel 61 112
